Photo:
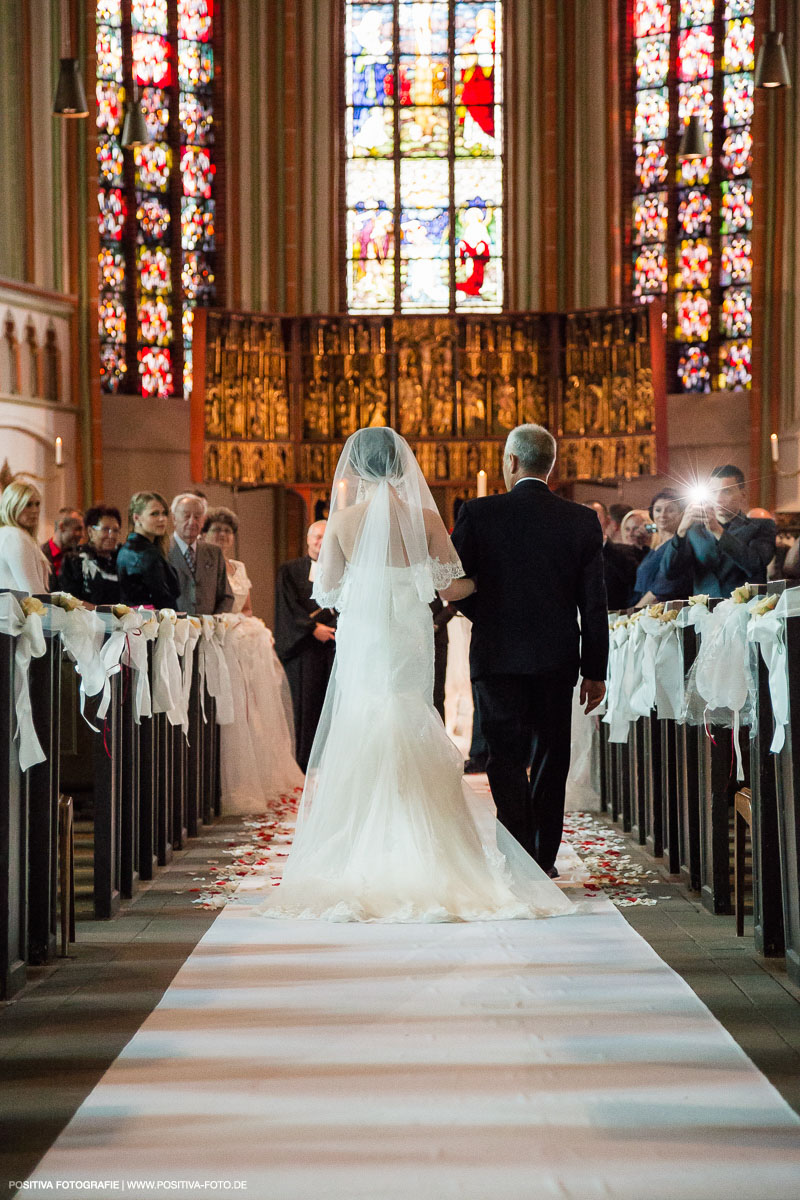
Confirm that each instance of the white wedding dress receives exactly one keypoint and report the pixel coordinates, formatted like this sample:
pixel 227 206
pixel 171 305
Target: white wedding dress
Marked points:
pixel 384 830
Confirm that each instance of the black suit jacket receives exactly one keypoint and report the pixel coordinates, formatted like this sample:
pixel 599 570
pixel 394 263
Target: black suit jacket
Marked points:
pixel 538 562
pixel 297 614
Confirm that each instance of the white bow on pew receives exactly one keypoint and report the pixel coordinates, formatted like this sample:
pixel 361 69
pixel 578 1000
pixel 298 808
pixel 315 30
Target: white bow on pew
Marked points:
pixel 26 628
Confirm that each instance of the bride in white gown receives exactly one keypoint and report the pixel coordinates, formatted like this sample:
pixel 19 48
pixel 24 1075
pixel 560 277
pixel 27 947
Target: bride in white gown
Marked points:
pixel 384 830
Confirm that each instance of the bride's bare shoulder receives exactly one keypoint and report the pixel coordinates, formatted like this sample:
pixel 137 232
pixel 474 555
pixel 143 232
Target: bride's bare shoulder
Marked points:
pixel 343 518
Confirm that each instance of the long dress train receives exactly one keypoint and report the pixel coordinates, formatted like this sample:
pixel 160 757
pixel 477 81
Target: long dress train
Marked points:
pixel 384 831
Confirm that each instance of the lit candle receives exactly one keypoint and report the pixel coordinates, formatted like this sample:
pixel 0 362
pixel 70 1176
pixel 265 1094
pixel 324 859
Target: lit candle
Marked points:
pixel 59 452
pixel 341 498
pixel 773 443
pixel 482 483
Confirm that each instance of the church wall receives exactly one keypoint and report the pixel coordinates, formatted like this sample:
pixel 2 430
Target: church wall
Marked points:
pixel 284 171
pixel 39 386
pixel 787 332
pixel 146 448
pixel 700 437
pixel 562 154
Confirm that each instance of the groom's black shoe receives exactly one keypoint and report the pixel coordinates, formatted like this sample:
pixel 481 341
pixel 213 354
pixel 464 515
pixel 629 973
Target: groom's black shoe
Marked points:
pixel 475 766
pixel 552 873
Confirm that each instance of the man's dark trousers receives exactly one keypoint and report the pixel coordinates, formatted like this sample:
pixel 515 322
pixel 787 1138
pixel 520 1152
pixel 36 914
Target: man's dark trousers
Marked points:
pixel 526 720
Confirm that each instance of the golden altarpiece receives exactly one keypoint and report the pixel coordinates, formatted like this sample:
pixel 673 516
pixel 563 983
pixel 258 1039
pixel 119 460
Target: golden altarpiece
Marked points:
pixel 278 396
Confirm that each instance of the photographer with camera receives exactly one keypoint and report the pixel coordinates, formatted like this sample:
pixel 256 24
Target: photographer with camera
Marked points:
pixel 722 547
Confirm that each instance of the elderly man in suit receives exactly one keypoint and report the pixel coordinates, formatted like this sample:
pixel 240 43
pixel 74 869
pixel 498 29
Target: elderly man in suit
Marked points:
pixel 538 564
pixel 200 566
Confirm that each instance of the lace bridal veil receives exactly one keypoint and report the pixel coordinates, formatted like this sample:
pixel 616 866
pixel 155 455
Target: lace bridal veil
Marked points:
pixel 383 830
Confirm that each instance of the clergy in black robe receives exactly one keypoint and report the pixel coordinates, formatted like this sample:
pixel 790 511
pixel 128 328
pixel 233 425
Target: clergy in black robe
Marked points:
pixel 303 644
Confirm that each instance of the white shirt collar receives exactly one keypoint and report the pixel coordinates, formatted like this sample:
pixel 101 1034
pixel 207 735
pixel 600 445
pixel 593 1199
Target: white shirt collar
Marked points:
pixel 183 546
pixel 530 479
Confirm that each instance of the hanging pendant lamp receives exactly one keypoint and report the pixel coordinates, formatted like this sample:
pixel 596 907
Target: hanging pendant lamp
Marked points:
pixel 134 127
pixel 70 97
pixel 772 66
pixel 693 142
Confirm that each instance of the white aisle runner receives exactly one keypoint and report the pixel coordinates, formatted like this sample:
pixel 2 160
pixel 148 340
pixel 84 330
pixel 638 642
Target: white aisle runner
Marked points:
pixel 516 1060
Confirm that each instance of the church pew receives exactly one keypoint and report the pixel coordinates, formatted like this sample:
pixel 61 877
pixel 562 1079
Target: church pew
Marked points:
pixel 787 772
pixel 148 789
pixel 639 767
pixel 605 771
pixel 195 756
pixel 42 784
pixel 688 754
pixel 162 738
pixel 13 836
pixel 654 783
pixel 670 785
pixel 717 775
pixel 624 781
pixel 130 799
pixel 671 770
pixel 107 778
pixel 767 905
pixel 180 756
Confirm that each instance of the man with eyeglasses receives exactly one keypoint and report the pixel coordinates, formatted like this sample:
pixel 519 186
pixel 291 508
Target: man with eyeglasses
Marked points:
pixel 722 547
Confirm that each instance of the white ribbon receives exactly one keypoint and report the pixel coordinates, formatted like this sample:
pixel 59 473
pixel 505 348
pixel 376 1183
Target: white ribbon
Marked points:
pixel 194 632
pixel 214 673
pixel 662 667
pixel 167 678
pixel 723 675
pixel 768 631
pixel 29 643
pixel 622 677
pixel 82 634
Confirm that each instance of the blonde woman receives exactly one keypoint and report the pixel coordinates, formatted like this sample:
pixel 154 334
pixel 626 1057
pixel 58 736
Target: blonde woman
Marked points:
pixel 145 575
pixel 23 567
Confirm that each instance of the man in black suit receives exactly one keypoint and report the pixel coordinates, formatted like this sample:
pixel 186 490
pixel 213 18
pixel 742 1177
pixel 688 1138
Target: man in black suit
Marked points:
pixel 538 564
pixel 305 641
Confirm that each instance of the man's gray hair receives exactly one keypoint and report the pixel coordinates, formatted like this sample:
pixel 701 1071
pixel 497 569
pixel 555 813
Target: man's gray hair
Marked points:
pixel 181 496
pixel 534 446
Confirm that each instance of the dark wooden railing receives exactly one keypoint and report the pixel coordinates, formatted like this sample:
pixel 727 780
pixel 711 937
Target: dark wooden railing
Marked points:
pixel 147 786
pixel 672 786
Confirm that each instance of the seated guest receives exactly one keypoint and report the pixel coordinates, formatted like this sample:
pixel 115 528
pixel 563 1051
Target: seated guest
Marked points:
pixel 305 640
pixel 200 566
pixel 91 573
pixel 783 544
pixel 636 532
pixel 145 575
pixel 619 564
pixel 220 528
pixel 68 535
pixel 23 566
pixel 652 585
pixel 616 515
pixel 715 540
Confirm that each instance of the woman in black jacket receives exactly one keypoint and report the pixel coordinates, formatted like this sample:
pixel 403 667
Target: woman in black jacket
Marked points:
pixel 145 575
pixel 91 572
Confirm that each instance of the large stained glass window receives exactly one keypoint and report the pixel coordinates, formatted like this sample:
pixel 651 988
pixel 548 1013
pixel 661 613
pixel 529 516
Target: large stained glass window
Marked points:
pixel 690 221
pixel 155 202
pixel 424 170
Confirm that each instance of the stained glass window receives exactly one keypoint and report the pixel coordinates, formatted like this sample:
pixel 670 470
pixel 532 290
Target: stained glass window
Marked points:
pixel 157 240
pixel 652 22
pixel 424 167
pixel 690 220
